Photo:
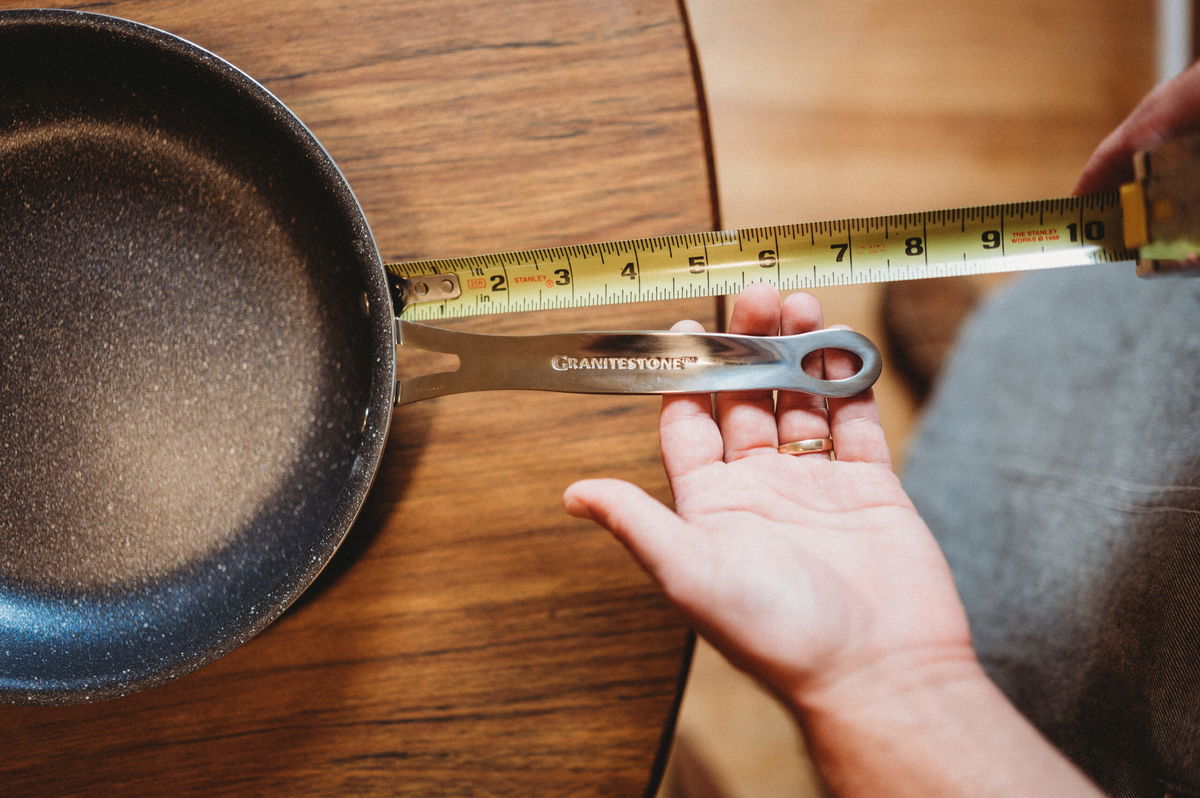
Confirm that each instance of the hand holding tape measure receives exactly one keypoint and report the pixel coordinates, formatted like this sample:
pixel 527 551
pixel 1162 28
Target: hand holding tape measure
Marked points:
pixel 1154 219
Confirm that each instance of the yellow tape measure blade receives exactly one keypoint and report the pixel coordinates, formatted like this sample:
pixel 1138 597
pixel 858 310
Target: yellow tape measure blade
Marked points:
pixel 1042 234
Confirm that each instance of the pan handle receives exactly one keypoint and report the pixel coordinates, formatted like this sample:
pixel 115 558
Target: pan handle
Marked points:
pixel 631 362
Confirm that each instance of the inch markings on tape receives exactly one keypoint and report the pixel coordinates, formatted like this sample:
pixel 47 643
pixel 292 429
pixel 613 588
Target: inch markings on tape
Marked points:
pixel 1041 234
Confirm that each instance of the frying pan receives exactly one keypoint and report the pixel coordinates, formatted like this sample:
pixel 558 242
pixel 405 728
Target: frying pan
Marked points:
pixel 197 357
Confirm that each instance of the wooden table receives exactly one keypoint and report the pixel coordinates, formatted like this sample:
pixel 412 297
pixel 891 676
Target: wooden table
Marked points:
pixel 470 638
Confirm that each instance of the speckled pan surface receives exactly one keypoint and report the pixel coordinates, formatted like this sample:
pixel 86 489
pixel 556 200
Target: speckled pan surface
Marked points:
pixel 193 401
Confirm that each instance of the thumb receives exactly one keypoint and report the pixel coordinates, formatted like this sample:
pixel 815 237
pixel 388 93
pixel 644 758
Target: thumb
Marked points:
pixel 653 533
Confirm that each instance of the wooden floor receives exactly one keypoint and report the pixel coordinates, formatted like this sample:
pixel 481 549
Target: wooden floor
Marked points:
pixel 828 109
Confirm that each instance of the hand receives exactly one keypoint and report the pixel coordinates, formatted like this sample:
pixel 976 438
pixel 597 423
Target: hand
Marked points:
pixel 801 570
pixel 1172 109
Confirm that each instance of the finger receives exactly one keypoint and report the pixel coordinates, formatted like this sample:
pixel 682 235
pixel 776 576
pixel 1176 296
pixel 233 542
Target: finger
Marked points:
pixel 802 415
pixel 688 434
pixel 1171 109
pixel 854 421
pixel 747 418
pixel 656 536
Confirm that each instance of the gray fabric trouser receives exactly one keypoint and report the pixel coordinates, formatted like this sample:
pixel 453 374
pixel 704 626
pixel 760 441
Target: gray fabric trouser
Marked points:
pixel 1059 466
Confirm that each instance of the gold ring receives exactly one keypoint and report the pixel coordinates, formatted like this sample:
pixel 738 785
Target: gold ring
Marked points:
pixel 808 446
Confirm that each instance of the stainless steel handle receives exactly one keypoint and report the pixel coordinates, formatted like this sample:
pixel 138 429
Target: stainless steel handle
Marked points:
pixel 631 362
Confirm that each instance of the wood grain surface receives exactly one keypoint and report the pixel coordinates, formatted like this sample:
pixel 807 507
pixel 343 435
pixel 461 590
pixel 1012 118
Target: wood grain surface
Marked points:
pixel 470 638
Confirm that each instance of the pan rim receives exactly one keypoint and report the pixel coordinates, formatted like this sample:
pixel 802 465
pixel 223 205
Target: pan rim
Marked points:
pixel 370 444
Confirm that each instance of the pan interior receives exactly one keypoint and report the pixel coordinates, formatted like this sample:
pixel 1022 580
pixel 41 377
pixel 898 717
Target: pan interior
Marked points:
pixel 185 359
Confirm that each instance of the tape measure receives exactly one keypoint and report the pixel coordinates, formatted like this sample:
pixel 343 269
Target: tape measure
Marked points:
pixel 1042 234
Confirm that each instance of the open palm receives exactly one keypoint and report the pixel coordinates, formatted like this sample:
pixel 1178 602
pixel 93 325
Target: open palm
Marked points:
pixel 800 569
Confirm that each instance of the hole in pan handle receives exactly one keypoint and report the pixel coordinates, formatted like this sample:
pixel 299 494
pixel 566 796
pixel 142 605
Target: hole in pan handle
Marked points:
pixel 631 362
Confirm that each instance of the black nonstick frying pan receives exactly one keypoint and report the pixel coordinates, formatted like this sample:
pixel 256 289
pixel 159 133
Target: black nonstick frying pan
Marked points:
pixel 197 357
